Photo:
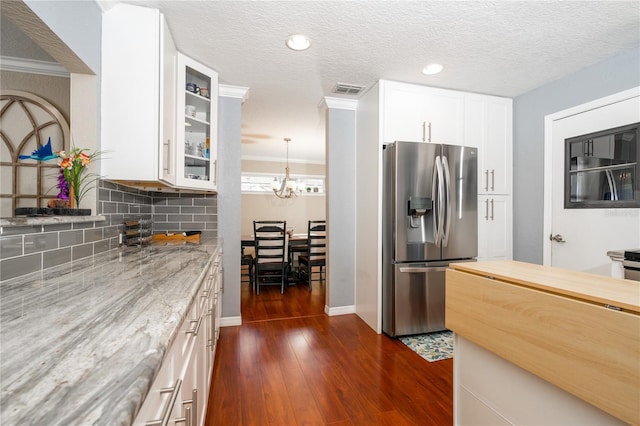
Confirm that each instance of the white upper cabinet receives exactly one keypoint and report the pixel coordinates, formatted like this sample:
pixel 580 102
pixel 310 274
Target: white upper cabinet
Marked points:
pixel 445 120
pixel 421 114
pixel 197 112
pixel 145 131
pixel 488 126
pixel 168 73
pixel 131 102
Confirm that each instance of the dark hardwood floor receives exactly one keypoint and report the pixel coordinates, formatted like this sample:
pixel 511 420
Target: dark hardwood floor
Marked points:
pixel 290 364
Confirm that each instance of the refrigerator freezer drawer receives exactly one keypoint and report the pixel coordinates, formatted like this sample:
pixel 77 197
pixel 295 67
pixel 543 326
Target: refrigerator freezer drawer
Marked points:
pixel 418 299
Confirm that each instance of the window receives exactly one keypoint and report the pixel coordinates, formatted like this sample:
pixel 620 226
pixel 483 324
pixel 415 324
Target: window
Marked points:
pixel 601 169
pixel 258 183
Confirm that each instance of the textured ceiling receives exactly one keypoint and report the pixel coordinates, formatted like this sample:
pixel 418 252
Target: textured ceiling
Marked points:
pixel 495 47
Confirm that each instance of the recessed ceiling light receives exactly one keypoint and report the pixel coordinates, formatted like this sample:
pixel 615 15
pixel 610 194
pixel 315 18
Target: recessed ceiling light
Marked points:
pixel 432 69
pixel 298 42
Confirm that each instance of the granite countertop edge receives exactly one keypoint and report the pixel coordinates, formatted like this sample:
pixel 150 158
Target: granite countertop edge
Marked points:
pixel 81 343
pixel 12 222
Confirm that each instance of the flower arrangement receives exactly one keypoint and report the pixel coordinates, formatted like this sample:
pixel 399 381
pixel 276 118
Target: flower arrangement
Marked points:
pixel 72 168
pixel 73 182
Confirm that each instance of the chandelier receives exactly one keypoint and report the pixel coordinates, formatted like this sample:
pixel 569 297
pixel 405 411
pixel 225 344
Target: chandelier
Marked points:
pixel 287 187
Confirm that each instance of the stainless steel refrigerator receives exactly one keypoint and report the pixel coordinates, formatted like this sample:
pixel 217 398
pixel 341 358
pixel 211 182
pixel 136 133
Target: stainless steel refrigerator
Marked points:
pixel 429 220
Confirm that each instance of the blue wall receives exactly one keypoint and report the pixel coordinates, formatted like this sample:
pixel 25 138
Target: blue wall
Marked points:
pixel 229 202
pixel 341 190
pixel 605 78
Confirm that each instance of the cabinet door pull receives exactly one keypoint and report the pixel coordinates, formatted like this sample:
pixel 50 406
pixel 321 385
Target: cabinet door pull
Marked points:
pixel 166 411
pixel 424 131
pixel 429 131
pixel 190 412
pixel 167 146
pixel 493 179
pixel 492 209
pixel 187 417
pixel 486 209
pixel 195 329
pixel 194 413
pixel 212 326
pixel 486 180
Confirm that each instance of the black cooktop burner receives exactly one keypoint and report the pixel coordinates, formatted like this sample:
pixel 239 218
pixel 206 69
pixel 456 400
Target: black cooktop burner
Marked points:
pixel 633 255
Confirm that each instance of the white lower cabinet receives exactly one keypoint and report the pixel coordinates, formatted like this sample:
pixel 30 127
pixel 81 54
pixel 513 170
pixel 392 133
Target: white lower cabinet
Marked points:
pixel 494 227
pixel 180 392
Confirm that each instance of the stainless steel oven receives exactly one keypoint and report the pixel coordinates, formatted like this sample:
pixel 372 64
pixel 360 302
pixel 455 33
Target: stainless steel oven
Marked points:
pixel 631 265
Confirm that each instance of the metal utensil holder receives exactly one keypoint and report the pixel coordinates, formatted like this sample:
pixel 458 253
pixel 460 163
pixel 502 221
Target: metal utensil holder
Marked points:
pixel 137 232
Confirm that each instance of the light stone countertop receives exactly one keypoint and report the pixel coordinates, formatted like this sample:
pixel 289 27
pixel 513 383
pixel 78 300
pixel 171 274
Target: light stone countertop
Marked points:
pixel 616 255
pixel 81 343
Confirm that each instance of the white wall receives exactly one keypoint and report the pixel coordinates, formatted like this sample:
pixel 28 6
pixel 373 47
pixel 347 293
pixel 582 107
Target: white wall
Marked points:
pixel 53 89
pixel 296 211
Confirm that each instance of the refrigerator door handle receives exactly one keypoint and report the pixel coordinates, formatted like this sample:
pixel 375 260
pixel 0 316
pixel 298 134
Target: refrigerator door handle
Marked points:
pixel 434 182
pixel 447 187
pixel 438 220
pixel 422 269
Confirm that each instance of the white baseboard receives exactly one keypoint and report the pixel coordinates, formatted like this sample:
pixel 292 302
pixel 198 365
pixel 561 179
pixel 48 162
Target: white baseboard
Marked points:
pixel 229 321
pixel 339 310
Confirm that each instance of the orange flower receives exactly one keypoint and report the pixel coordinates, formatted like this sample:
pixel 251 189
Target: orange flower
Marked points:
pixel 85 159
pixel 66 163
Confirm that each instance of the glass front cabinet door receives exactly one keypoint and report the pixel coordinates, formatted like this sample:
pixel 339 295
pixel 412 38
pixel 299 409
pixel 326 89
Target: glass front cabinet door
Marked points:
pixel 197 129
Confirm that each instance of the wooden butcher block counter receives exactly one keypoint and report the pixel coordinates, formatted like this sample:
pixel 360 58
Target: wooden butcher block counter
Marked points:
pixel 578 331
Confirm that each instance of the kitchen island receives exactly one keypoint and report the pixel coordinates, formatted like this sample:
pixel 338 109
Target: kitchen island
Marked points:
pixel 541 345
pixel 82 342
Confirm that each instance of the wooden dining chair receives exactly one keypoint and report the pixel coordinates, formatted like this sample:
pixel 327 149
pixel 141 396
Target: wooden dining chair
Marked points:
pixel 316 249
pixel 247 260
pixel 270 265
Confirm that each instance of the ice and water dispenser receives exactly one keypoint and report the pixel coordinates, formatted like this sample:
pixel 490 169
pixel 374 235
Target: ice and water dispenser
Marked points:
pixel 420 220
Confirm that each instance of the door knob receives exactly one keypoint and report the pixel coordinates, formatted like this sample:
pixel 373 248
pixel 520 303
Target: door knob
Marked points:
pixel 557 238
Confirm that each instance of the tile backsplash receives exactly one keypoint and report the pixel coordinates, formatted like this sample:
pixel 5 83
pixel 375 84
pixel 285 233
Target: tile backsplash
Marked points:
pixel 26 249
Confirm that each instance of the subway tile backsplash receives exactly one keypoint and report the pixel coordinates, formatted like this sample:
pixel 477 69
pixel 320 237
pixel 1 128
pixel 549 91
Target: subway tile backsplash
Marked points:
pixel 27 249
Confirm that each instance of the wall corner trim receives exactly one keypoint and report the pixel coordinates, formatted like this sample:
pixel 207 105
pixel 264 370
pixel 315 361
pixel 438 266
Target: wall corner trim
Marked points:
pixel 339 310
pixel 230 321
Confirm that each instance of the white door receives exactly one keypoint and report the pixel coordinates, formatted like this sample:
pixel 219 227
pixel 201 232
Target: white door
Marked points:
pixel 585 235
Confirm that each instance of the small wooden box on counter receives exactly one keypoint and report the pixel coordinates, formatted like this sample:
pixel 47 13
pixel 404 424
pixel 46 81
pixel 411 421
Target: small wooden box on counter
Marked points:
pixel 578 331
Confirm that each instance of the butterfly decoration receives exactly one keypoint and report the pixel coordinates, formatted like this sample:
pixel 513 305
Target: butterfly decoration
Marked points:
pixel 43 153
